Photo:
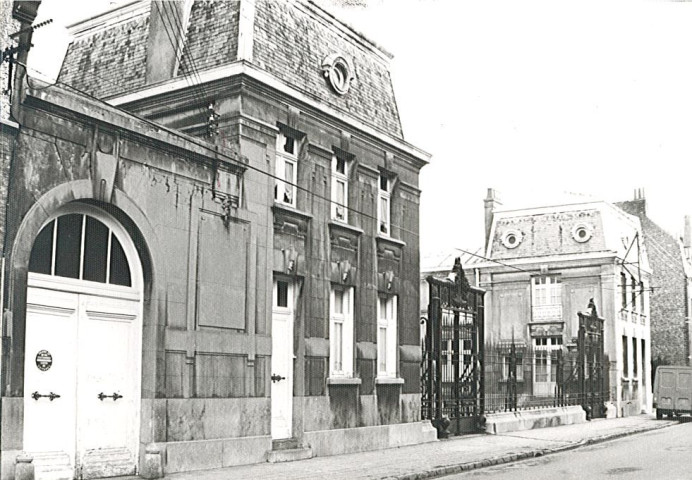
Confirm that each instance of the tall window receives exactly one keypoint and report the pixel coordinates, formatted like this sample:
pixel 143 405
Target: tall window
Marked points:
pixel 384 205
pixel 286 170
pixel 340 189
pixel 519 366
pixel 623 286
pixel 635 360
pixel 283 293
pixel 546 298
pixel 633 295
pixel 386 336
pixel 643 353
pixel 625 358
pixel 642 299
pixel 341 332
pixel 546 358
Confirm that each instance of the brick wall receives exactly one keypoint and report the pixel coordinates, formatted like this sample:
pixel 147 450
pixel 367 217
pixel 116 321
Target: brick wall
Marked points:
pixel 669 345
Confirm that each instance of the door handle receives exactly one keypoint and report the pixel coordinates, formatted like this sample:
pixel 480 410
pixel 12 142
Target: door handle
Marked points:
pixel 277 378
pixel 52 396
pixel 115 396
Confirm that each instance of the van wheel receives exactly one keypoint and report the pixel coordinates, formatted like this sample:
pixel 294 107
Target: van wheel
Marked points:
pixel 659 415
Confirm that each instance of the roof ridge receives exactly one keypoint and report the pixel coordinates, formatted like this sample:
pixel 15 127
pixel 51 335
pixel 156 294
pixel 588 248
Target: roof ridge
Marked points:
pixel 348 28
pixel 108 18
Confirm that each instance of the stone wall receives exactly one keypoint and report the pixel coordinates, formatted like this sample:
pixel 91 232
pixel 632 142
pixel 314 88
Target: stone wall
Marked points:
pixel 8 25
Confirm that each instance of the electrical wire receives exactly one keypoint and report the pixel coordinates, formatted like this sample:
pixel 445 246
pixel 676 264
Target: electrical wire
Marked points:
pixel 192 78
pixel 217 153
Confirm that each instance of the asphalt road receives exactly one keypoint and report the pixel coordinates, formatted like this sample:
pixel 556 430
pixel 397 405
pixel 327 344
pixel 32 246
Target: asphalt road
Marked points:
pixel 661 454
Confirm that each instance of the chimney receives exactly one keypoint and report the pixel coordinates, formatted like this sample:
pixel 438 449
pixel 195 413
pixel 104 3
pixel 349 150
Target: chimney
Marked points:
pixel 491 203
pixel 165 39
pixel 639 202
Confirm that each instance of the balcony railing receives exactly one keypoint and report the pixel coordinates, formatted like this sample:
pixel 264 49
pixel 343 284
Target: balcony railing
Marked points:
pixel 546 312
pixel 634 317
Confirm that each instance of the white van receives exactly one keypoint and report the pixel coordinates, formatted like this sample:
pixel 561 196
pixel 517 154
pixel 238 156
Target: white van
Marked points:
pixel 673 391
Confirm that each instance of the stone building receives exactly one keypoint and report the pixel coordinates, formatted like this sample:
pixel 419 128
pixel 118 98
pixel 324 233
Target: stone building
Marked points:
pixel 671 336
pixel 544 266
pixel 212 246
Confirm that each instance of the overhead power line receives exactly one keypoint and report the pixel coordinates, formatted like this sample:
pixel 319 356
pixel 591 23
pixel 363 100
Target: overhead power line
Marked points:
pixel 216 153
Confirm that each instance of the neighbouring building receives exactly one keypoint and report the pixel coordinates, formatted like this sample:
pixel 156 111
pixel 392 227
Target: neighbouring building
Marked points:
pixel 212 246
pixel 669 257
pixel 544 265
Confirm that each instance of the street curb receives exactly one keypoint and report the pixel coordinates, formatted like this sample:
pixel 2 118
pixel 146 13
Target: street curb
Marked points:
pixel 465 467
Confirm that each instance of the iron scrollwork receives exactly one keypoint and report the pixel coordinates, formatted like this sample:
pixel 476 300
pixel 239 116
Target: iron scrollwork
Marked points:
pixel 51 396
pixel 115 396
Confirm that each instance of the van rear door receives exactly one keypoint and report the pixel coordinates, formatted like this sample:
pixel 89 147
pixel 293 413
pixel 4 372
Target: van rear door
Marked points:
pixel 682 400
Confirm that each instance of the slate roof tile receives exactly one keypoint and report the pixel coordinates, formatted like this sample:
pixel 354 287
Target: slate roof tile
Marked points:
pixel 290 42
pixel 89 62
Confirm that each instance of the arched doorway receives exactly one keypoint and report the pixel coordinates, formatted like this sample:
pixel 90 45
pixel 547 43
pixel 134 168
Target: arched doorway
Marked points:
pixel 82 364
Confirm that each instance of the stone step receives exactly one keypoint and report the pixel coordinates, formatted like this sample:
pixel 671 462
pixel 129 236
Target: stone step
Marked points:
pixel 52 466
pixel 107 462
pixel 285 444
pixel 289 454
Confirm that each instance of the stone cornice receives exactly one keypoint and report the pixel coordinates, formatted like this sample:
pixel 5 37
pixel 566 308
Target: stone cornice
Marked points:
pixel 223 74
pixel 93 111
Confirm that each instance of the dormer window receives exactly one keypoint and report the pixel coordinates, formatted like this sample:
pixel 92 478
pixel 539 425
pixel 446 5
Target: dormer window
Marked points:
pixel 512 238
pixel 582 233
pixel 286 170
pixel 338 71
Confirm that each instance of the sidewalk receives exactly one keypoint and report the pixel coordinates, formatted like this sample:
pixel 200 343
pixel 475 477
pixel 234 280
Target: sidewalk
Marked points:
pixel 445 457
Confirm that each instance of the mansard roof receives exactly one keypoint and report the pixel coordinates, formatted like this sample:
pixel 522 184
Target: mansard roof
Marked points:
pixel 557 231
pixel 289 39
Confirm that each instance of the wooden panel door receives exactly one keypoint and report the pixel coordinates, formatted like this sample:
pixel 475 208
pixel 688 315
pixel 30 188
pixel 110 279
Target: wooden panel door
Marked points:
pixel 49 373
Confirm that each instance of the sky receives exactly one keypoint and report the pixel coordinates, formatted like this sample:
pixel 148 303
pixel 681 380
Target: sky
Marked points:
pixel 546 102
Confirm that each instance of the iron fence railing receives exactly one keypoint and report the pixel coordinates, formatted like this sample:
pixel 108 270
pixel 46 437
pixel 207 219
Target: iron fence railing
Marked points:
pixel 521 377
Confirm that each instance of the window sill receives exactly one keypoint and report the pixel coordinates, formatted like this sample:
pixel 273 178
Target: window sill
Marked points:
pixel 386 238
pixel 334 223
pixel 343 381
pixel 389 381
pixel 291 210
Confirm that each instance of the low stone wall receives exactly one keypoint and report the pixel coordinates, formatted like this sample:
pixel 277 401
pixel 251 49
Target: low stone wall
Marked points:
pixel 8 459
pixel 530 419
pixel 219 453
pixel 351 440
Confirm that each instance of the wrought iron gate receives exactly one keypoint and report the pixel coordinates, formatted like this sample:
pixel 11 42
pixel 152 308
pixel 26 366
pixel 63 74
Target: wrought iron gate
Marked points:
pixel 452 380
pixel 592 363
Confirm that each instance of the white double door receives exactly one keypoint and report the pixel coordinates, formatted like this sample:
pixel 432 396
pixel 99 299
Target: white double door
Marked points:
pixel 82 375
